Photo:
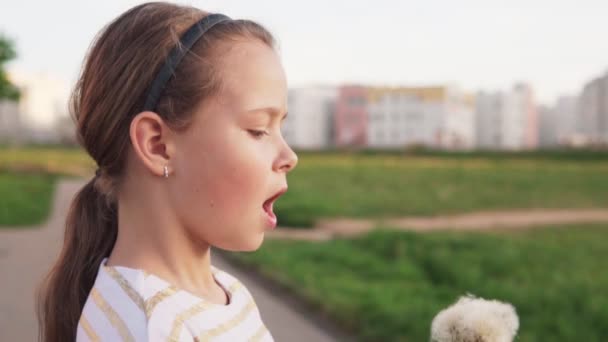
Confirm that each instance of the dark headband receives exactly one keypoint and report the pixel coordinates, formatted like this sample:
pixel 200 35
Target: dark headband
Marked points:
pixel 188 39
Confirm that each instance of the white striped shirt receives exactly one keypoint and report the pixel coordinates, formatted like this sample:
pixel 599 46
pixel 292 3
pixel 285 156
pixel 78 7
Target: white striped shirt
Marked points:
pixel 127 304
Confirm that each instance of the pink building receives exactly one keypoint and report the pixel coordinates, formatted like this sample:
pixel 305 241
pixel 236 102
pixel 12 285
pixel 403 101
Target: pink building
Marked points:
pixel 350 119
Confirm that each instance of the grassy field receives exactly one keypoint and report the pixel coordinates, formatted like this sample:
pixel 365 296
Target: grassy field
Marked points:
pixel 388 286
pixel 389 184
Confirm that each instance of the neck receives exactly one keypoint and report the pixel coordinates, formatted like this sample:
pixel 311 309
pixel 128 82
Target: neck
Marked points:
pixel 151 238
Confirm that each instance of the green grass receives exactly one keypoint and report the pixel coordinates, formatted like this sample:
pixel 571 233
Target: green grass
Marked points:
pixel 388 286
pixel 384 184
pixel 25 199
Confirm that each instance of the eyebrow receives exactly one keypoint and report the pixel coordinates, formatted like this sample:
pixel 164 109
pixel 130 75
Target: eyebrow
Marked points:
pixel 272 111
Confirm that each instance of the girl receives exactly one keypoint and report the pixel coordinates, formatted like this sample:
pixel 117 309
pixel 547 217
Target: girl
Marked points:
pixel 181 110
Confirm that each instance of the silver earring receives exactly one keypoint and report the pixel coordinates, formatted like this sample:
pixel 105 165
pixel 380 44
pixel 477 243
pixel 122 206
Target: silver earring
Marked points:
pixel 166 171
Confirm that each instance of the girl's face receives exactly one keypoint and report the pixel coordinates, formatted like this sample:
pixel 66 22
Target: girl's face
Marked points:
pixel 232 162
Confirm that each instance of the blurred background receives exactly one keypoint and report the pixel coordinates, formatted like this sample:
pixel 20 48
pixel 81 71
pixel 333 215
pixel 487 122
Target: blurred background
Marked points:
pixel 445 148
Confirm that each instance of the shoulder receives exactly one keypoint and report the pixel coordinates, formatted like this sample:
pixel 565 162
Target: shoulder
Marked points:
pixel 130 305
pixel 114 309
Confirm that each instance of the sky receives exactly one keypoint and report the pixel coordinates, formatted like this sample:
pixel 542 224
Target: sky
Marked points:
pixel 556 46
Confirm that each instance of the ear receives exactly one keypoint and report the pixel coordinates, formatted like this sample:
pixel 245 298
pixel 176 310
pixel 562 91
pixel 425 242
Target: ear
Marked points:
pixel 152 141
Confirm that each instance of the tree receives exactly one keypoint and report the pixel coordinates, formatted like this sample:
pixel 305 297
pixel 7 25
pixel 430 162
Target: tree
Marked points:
pixel 7 52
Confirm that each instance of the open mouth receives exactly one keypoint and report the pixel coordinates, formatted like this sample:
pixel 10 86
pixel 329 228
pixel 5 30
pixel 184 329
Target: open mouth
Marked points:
pixel 268 207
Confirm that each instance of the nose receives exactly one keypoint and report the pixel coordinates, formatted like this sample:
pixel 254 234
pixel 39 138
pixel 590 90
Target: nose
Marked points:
pixel 288 158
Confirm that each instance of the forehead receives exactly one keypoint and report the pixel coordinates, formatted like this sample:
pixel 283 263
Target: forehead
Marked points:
pixel 252 75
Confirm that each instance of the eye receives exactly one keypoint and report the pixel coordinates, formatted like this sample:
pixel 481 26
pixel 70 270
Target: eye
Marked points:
pixel 257 134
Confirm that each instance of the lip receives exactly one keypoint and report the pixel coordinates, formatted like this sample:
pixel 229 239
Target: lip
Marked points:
pixel 277 195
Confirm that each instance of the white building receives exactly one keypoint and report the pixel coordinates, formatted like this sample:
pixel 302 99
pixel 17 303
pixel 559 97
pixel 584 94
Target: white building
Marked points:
pixel 309 121
pixel 513 123
pixel 488 117
pixel 437 117
pixel 594 110
pixel 507 120
pixel 547 130
pixel 568 124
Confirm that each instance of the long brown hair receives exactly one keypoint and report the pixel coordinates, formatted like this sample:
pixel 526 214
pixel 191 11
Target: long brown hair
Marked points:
pixel 111 90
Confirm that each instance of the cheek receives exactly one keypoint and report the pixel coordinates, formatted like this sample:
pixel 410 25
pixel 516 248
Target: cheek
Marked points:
pixel 233 165
pixel 229 185
pixel 224 183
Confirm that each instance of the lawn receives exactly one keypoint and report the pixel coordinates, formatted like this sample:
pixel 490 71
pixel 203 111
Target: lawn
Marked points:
pixel 388 185
pixel 387 286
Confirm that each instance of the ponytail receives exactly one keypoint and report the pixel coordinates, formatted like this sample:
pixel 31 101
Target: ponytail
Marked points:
pixel 90 234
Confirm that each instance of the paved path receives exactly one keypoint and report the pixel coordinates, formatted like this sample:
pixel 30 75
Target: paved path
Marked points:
pixel 27 253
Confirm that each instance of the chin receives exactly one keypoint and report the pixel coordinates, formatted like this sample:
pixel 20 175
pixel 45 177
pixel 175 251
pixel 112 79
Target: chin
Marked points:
pixel 252 243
